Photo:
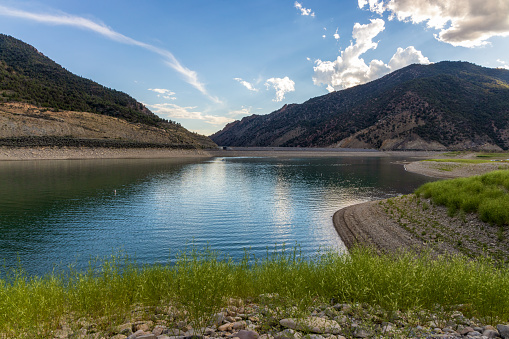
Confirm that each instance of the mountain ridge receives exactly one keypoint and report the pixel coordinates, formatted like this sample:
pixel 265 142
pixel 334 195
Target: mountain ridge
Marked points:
pixel 28 76
pixel 447 105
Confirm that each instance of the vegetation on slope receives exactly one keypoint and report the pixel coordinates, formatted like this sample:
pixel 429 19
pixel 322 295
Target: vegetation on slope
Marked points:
pixel 485 194
pixel 448 105
pixel 27 76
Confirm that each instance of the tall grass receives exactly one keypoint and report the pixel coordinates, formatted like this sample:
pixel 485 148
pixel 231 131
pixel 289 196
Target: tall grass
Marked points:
pixel 201 282
pixel 485 194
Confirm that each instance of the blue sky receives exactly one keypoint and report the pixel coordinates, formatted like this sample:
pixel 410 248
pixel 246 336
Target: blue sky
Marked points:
pixel 207 63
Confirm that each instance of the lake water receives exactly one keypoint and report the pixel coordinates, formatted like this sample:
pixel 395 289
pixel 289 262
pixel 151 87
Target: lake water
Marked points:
pixel 68 211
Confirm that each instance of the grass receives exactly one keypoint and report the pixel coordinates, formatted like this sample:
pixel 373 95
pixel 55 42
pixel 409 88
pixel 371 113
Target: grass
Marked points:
pixel 493 155
pixel 200 283
pixel 463 161
pixel 487 195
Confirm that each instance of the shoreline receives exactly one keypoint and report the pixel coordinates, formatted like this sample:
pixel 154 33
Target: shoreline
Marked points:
pixel 10 153
pixel 416 224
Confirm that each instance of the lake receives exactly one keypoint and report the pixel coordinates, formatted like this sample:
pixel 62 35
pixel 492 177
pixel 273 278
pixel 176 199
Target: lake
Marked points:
pixel 68 211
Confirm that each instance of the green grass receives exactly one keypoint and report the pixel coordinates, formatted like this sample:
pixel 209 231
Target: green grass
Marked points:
pixel 485 194
pixel 493 155
pixel 201 282
pixel 464 161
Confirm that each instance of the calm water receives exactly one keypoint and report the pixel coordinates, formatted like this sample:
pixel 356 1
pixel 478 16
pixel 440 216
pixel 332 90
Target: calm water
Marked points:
pixel 62 212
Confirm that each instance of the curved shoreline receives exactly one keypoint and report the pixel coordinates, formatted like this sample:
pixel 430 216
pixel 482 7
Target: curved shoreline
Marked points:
pixel 415 224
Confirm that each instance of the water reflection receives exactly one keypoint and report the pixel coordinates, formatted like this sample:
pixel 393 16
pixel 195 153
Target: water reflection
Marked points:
pixel 60 211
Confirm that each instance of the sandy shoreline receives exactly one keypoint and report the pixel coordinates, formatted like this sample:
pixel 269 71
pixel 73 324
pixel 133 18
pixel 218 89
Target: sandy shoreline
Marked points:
pixel 62 153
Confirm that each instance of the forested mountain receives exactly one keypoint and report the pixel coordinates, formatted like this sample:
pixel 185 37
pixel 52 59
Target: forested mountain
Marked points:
pixel 27 76
pixel 447 105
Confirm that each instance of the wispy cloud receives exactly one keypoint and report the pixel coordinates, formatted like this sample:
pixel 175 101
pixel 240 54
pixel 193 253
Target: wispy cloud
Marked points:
pixel 303 11
pixel 246 84
pixel 244 111
pixel 166 93
pixel 173 111
pixel 65 19
pixel 282 86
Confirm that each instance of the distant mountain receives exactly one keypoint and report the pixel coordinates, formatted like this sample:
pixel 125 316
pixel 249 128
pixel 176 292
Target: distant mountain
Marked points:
pixel 27 76
pixel 447 105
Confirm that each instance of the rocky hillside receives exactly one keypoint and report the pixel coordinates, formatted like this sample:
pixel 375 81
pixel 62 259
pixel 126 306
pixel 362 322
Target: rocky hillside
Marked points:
pixel 448 105
pixel 38 96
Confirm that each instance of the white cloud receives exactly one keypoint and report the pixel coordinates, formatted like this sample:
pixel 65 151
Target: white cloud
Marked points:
pixel 190 76
pixel 281 85
pixel 161 91
pixel 173 111
pixel 349 69
pixel 244 111
pixel 336 35
pixel 405 57
pixel 303 11
pixel 374 5
pixel 324 36
pixel 503 64
pixel 467 23
pixel 246 84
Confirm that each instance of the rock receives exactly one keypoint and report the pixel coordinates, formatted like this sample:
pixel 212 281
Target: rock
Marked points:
pixel 125 329
pixel 361 333
pixel 118 336
pixel 288 334
pixel 173 332
pixel 503 330
pixel 312 324
pixel 230 319
pixel 490 333
pixel 474 334
pixel 158 330
pixel 266 336
pixel 465 330
pixel 239 325
pixel 225 327
pixel 243 334
pixel 142 334
pixel 143 325
pixel 218 319
pixel 313 336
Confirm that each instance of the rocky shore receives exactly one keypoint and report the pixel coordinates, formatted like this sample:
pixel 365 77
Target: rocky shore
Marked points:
pixel 245 320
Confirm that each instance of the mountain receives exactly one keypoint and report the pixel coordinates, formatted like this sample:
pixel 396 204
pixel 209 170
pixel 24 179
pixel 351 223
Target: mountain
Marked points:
pixel 447 105
pixel 29 77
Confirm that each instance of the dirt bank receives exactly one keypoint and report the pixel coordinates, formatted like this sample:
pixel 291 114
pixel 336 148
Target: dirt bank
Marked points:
pixel 453 169
pixel 415 224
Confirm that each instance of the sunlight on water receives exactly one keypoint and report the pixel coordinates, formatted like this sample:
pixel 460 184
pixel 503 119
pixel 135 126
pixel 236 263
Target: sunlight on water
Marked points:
pixel 60 212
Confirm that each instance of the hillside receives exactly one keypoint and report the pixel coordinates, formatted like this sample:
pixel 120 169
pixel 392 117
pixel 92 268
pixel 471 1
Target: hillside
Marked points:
pixel 40 84
pixel 448 105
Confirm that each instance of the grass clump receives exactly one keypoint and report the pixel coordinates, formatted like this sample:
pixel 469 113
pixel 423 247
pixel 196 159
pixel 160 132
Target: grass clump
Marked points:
pixel 200 283
pixel 487 195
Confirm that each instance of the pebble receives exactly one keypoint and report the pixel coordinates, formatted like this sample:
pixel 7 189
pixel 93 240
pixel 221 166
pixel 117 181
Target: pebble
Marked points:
pixel 263 322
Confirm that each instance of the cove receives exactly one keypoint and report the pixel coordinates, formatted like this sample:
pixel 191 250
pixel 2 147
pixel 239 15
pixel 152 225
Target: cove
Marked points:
pixel 61 212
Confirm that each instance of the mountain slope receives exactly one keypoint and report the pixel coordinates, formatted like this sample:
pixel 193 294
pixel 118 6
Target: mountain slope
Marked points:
pixel 27 76
pixel 448 105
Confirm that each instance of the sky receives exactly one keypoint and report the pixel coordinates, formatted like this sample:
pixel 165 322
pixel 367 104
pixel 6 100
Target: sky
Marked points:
pixel 207 63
